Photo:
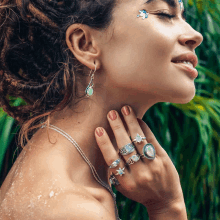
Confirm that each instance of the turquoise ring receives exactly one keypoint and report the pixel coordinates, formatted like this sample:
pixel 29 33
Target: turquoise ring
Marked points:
pixel 149 151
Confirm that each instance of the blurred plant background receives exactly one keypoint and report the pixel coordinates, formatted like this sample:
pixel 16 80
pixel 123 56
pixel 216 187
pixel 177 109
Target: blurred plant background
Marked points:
pixel 190 133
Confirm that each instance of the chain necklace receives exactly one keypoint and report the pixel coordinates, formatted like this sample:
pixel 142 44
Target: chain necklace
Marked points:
pixel 95 174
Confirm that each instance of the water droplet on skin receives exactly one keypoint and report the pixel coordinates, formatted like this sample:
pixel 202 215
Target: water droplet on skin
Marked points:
pixel 51 194
pixel 39 196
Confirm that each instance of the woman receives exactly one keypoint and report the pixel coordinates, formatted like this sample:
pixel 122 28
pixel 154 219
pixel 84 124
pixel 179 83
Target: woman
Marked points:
pixel 92 69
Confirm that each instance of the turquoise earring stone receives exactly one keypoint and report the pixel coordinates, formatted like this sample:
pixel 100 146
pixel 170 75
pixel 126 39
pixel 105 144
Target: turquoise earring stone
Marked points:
pixel 149 151
pixel 89 91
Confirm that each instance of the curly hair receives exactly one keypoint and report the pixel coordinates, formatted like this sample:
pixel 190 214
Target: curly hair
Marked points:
pixel 35 62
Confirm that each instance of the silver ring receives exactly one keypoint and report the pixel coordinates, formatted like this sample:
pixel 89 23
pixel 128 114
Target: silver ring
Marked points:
pixel 120 171
pixel 115 163
pixel 138 139
pixel 113 180
pixel 149 151
pixel 127 149
pixel 134 158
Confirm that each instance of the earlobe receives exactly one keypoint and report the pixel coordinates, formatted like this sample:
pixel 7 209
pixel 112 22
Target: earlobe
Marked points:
pixel 82 45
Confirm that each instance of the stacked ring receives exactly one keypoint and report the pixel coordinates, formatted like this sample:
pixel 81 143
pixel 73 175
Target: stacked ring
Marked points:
pixel 133 159
pixel 127 149
pixel 113 180
pixel 149 152
pixel 138 139
pixel 120 171
pixel 115 163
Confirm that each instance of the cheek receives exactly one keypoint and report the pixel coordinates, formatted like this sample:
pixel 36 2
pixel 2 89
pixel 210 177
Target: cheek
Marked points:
pixel 138 50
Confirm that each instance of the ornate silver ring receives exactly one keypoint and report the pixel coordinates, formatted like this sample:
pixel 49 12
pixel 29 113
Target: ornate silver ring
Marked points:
pixel 113 180
pixel 115 163
pixel 127 149
pixel 133 159
pixel 120 171
pixel 138 139
pixel 149 151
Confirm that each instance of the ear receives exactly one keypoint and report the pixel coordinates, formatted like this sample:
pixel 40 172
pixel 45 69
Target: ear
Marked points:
pixel 82 41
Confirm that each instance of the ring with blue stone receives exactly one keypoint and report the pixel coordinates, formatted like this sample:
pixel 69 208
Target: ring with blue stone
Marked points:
pixel 149 151
pixel 115 163
pixel 127 149
pixel 120 171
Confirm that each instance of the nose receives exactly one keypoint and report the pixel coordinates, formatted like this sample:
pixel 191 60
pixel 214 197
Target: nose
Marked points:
pixel 191 38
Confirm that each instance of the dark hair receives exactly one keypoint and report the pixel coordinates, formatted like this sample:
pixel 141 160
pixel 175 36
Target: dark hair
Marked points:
pixel 35 62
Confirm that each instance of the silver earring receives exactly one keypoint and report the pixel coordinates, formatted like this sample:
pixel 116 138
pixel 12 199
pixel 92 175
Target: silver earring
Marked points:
pixel 143 14
pixel 89 90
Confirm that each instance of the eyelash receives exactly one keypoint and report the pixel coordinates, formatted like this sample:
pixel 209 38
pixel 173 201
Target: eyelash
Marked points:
pixel 169 16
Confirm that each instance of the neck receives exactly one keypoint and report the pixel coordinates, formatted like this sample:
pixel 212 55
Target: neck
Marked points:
pixel 81 123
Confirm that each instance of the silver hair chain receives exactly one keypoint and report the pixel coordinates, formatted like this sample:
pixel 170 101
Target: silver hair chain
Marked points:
pixel 95 174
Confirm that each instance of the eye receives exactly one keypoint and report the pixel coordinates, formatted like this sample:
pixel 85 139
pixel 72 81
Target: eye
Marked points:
pixel 162 15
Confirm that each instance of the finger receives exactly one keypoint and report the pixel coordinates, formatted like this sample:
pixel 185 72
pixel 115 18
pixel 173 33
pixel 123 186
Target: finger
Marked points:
pixel 120 132
pixel 134 127
pixel 108 151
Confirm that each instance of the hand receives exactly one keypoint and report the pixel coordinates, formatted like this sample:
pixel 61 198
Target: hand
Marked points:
pixel 153 183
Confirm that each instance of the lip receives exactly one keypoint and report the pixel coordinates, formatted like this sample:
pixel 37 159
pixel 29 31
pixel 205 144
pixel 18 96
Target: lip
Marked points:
pixel 190 70
pixel 190 56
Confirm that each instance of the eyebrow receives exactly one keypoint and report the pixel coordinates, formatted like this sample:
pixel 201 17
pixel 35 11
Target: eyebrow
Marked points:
pixel 171 3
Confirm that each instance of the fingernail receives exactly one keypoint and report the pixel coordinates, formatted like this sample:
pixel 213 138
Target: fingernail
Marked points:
pixel 126 110
pixel 112 115
pixel 99 131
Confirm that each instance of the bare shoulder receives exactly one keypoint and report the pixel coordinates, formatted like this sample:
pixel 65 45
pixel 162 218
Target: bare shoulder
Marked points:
pixel 74 206
pixel 39 188
pixel 56 202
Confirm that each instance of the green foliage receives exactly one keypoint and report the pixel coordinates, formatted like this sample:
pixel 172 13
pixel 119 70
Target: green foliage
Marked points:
pixel 8 129
pixel 190 133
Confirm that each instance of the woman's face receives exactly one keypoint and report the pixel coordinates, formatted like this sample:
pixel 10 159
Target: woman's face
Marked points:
pixel 137 55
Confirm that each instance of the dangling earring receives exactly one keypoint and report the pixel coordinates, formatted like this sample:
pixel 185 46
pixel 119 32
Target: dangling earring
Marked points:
pixel 89 89
pixel 181 4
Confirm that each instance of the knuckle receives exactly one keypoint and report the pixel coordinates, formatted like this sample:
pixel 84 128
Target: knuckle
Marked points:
pixel 132 121
pixel 131 186
pixel 142 179
pixel 156 170
pixel 116 127
pixel 103 142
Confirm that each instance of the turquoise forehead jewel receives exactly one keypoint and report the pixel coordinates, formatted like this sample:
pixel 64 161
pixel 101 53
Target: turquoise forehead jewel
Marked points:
pixel 143 14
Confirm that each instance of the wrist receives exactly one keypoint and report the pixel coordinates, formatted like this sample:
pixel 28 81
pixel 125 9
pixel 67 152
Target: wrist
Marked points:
pixel 173 212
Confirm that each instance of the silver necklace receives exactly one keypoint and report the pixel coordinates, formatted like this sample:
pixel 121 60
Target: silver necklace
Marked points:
pixel 95 174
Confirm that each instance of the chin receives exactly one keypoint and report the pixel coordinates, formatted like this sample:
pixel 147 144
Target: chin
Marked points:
pixel 183 101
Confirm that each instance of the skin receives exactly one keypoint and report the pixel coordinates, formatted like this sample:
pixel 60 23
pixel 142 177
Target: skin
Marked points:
pixel 133 62
pixel 133 67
